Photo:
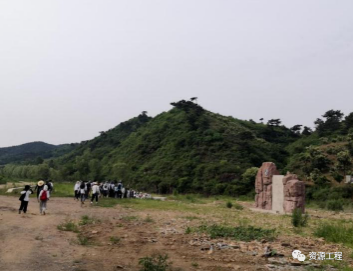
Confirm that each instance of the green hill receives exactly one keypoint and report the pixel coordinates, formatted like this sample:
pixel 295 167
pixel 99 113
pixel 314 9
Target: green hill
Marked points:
pixel 32 152
pixel 187 149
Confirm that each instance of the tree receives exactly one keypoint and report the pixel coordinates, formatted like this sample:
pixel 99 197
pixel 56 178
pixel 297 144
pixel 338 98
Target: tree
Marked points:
pixel 296 129
pixel 344 161
pixel 348 122
pixel 39 160
pixel 332 122
pixel 274 122
pixel 307 131
pixel 193 99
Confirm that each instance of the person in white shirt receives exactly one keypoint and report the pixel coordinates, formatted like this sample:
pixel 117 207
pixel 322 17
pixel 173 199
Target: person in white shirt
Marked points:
pixel 77 190
pixel 95 192
pixel 25 198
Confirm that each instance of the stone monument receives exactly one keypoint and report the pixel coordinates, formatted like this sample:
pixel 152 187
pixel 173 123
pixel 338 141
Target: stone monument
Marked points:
pixel 278 193
pixel 263 185
pixel 294 193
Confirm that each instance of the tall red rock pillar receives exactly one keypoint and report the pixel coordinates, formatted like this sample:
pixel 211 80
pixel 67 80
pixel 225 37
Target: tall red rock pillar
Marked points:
pixel 263 185
pixel 294 193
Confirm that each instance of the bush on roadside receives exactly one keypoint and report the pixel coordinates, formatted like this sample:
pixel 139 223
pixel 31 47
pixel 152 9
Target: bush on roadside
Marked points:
pixel 298 219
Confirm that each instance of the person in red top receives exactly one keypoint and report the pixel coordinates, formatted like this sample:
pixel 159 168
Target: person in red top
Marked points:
pixel 43 199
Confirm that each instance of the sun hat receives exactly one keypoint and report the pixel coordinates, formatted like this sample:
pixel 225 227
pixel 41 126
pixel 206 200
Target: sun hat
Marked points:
pixel 40 183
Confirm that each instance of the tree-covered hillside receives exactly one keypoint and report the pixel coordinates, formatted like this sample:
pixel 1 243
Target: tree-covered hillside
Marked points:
pixel 187 149
pixel 33 152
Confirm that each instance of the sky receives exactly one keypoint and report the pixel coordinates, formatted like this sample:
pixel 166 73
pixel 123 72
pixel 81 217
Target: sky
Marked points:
pixel 72 68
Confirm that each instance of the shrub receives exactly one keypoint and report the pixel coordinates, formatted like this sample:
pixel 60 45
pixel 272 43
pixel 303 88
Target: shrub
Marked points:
pixel 155 263
pixel 298 219
pixel 335 205
pixel 229 205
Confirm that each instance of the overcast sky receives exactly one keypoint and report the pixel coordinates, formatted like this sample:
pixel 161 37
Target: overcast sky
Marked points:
pixel 72 68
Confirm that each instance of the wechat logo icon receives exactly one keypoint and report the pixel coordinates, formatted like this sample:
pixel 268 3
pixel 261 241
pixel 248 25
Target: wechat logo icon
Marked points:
pixel 297 254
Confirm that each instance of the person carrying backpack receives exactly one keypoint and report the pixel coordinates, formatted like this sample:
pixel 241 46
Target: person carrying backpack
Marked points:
pixel 24 198
pixel 43 199
pixel 39 187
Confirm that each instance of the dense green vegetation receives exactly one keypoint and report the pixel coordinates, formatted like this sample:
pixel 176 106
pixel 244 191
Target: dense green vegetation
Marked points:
pixel 189 149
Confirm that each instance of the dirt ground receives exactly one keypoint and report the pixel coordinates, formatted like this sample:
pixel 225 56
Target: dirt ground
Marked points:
pixel 120 236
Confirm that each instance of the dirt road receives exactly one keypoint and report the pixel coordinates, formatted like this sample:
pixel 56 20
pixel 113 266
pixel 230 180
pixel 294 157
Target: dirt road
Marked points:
pixel 116 238
pixel 32 242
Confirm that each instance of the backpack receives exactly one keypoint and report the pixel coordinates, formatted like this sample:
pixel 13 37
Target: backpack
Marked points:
pixel 119 186
pixel 44 195
pixel 22 197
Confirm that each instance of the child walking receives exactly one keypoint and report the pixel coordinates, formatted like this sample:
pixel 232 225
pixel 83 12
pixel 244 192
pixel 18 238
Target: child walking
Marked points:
pixel 43 199
pixel 24 198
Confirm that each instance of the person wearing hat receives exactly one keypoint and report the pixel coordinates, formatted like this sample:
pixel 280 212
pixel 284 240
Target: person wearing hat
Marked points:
pixel 24 198
pixel 95 192
pixel 39 187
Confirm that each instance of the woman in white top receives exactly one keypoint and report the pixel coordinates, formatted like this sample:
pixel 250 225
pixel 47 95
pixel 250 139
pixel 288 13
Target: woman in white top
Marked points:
pixel 25 198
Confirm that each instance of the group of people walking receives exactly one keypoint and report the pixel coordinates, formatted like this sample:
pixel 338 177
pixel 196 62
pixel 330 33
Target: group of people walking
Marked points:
pixel 84 190
pixel 43 190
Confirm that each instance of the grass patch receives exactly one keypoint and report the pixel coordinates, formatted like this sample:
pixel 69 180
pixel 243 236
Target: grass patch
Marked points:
pixel 191 218
pixel 237 206
pixel 336 232
pixel 83 240
pixel 155 263
pixel 129 218
pixel 229 205
pixel 189 198
pixel 107 202
pixel 148 219
pixel 68 226
pixel 241 233
pixel 87 220
pixel 115 240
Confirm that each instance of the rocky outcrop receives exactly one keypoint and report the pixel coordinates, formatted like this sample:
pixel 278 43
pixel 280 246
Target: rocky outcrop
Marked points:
pixel 263 185
pixel 294 193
